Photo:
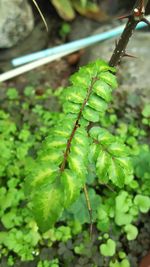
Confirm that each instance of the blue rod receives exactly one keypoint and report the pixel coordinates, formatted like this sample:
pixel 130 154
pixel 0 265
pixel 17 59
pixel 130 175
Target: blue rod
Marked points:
pixel 72 45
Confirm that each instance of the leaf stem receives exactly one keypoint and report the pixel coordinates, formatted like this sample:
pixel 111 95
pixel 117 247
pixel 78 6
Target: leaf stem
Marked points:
pixel 89 208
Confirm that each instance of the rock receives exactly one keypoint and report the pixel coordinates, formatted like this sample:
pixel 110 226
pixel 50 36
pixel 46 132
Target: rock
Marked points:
pixel 16 22
pixel 35 41
pixel 78 31
pixel 133 74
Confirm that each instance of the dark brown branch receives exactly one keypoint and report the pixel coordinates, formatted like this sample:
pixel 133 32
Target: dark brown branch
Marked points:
pixel 134 18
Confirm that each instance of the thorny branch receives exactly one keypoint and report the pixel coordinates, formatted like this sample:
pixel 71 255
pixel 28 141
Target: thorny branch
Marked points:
pixel 136 16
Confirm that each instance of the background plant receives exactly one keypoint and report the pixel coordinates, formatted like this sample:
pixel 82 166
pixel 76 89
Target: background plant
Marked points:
pixel 66 8
pixel 19 232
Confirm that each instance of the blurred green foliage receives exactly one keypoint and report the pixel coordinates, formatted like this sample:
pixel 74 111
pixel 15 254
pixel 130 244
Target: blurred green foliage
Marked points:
pixel 21 134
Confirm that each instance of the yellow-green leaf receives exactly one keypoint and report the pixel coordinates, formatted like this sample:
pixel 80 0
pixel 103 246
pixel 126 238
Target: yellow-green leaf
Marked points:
pixel 103 90
pixel 48 205
pixel 90 114
pixel 97 103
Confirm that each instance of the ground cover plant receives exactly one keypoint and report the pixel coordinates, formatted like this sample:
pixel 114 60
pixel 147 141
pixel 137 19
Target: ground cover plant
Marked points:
pixel 92 169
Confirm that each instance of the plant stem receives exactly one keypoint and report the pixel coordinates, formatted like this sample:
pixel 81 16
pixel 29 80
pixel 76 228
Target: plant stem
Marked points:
pixel 134 18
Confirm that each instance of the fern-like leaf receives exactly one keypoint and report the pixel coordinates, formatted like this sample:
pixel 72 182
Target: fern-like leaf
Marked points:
pixel 59 173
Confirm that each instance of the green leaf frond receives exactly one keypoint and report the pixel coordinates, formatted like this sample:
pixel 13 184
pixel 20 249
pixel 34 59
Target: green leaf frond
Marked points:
pixel 59 173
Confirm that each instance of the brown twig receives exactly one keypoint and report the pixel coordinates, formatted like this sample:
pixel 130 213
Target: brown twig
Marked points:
pixel 89 209
pixel 134 18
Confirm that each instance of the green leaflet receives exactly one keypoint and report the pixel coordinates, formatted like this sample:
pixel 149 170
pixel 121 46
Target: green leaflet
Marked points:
pixel 81 78
pixel 116 174
pixel 72 186
pixel 54 142
pixel 102 165
pixel 142 202
pixel 81 138
pixel 97 103
pixel 90 115
pixel 125 163
pixel 105 138
pixel 94 132
pixel 101 66
pixel 79 150
pixel 70 107
pixel 47 205
pixel 103 90
pixel 51 155
pixel 75 94
pixel 118 150
pixel 78 155
pixel 78 166
pixel 109 78
pixel 43 174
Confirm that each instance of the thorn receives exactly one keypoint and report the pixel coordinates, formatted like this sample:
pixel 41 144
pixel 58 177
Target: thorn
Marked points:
pixel 128 55
pixel 124 17
pixel 146 21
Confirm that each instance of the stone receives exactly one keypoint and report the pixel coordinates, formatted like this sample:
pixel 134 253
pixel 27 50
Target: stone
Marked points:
pixel 133 73
pixel 16 22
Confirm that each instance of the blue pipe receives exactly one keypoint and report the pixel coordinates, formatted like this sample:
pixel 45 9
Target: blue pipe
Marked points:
pixel 72 45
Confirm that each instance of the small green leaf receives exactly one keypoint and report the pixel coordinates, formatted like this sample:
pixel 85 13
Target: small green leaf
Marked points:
pixel 81 138
pixel 52 142
pixel 123 218
pixel 125 163
pixel 77 165
pixel 79 150
pixel 71 185
pixel 116 174
pixel 70 107
pixel 146 111
pixel 75 94
pixel 109 78
pixel 121 201
pixel 90 114
pixel 12 94
pixel 94 132
pixel 103 90
pixel 29 91
pixel 81 79
pixel 118 150
pixel 123 263
pixel 143 202
pixel 102 66
pixel 108 249
pixel 131 231
pixel 102 165
pixel 51 155
pixel 105 138
pixel 47 205
pixel 103 225
pixel 41 174
pixel 97 103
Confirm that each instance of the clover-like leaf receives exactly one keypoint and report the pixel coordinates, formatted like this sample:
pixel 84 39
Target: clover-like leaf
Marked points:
pixel 143 202
pixel 109 248
pixel 131 231
pixel 123 218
